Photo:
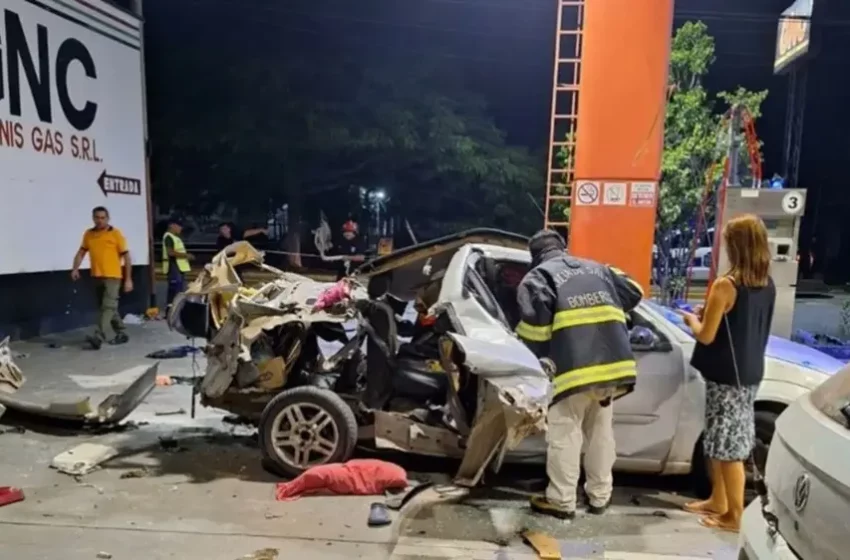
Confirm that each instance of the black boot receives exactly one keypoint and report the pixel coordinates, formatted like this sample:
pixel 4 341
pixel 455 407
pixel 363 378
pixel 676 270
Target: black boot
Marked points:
pixel 598 510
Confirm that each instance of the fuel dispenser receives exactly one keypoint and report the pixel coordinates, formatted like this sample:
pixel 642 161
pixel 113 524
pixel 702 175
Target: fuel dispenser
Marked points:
pixel 781 210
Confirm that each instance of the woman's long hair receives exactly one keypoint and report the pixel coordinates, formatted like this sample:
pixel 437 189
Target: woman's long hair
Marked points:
pixel 748 250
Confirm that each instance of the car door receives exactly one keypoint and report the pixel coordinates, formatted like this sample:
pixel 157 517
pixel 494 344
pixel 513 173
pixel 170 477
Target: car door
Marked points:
pixel 645 420
pixel 513 391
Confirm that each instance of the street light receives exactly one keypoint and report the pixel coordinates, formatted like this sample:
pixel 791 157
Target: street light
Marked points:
pixel 380 195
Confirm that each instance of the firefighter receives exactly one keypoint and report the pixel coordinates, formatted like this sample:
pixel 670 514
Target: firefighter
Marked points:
pixel 573 312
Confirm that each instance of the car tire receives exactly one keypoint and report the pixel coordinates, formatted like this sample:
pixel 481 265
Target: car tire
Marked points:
pixel 765 427
pixel 306 427
pixel 700 473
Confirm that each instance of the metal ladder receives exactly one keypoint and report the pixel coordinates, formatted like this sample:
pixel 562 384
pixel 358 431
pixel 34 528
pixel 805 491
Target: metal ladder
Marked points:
pixel 562 135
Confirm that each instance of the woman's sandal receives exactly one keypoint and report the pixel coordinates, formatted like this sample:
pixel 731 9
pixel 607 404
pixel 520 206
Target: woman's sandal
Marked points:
pixel 715 523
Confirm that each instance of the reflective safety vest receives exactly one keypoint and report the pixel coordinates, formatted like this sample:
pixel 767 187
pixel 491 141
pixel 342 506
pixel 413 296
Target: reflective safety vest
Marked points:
pixel 182 264
pixel 573 311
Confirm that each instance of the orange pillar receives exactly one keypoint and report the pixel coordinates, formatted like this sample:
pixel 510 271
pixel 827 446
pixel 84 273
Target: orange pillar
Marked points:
pixel 621 107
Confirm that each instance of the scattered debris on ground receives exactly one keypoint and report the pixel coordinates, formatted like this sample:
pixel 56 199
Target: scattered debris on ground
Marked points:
pixel 546 547
pixel 12 429
pixel 397 501
pixel 135 473
pixel 173 352
pixel 169 380
pixel 236 420
pixel 262 554
pixel 171 444
pixel 10 495
pixel 83 458
pixel 177 412
pixel 109 412
pixel 164 381
pixel 131 319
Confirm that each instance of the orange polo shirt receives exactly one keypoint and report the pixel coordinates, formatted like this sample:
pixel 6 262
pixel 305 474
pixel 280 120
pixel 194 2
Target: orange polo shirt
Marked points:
pixel 106 247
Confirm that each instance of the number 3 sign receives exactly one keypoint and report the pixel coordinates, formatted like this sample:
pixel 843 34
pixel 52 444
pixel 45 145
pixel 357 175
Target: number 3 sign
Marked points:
pixel 792 203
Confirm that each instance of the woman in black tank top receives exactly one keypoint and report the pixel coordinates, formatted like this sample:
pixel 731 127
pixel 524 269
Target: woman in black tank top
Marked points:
pixel 732 334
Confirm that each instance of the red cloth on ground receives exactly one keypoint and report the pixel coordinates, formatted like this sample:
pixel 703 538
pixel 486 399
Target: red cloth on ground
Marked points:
pixel 359 477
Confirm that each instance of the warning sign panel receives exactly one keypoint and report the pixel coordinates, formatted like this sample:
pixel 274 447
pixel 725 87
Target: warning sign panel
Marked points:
pixel 587 193
pixel 643 195
pixel 614 194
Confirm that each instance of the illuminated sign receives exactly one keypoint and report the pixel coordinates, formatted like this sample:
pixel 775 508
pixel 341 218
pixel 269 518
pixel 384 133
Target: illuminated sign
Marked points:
pixel 794 34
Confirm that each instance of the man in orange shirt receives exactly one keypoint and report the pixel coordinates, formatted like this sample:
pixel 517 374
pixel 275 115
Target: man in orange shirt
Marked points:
pixel 107 248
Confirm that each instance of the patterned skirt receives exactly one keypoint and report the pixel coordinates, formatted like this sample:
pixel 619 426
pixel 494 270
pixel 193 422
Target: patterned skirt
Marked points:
pixel 730 427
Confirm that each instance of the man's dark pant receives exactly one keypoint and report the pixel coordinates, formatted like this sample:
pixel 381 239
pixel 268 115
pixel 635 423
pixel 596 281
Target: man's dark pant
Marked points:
pixel 175 286
pixel 109 323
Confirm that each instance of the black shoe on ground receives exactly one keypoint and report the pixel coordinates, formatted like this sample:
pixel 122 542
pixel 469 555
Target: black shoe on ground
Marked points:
pixel 598 510
pixel 95 342
pixel 539 504
pixel 120 338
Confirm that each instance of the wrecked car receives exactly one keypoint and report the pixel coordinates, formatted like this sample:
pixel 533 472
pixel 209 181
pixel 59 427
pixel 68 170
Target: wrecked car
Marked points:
pixel 437 393
pixel 457 383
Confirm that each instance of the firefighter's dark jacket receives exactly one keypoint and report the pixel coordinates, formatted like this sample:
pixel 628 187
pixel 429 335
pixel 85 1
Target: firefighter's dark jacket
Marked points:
pixel 573 311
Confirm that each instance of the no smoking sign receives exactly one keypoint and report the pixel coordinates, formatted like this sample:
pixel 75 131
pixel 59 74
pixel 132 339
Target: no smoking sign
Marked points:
pixel 587 193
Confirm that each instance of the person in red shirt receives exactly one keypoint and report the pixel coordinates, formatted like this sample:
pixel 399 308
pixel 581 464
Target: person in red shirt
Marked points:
pixel 351 246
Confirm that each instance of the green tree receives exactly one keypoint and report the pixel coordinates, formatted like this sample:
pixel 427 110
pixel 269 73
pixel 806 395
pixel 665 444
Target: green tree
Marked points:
pixel 694 148
pixel 256 133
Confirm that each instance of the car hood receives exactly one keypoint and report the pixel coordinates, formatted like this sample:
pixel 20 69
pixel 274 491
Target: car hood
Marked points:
pixel 801 355
pixel 777 348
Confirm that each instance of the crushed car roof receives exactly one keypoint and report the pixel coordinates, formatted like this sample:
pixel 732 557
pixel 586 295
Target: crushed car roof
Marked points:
pixel 401 257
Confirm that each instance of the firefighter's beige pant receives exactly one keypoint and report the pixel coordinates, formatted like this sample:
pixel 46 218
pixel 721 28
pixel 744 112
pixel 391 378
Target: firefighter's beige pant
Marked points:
pixel 577 418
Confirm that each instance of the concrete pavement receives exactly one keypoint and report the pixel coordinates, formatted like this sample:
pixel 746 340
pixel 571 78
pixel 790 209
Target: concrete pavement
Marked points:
pixel 194 488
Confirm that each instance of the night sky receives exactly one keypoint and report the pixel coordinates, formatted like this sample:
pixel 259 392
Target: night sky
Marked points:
pixel 504 50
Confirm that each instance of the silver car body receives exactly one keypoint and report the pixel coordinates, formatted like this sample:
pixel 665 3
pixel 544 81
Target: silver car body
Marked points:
pixel 658 425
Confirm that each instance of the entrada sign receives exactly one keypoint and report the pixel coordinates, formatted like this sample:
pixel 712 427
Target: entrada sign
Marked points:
pixel 114 184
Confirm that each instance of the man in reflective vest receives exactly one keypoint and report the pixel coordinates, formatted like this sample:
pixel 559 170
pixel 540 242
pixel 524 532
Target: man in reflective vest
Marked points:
pixel 175 260
pixel 573 312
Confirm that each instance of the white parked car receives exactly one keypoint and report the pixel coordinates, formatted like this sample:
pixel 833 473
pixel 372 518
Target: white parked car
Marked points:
pixel 808 481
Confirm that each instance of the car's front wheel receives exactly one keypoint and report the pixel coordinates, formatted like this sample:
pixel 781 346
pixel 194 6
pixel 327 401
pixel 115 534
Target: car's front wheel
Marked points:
pixel 765 426
pixel 305 427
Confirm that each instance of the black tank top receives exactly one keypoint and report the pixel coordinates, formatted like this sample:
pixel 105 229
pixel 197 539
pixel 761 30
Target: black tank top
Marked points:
pixel 749 325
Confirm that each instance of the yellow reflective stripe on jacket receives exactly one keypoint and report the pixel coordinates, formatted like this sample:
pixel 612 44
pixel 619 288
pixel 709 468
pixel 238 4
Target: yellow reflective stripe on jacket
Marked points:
pixel 534 333
pixel 588 316
pixel 592 375
pixel 182 264
pixel 619 272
